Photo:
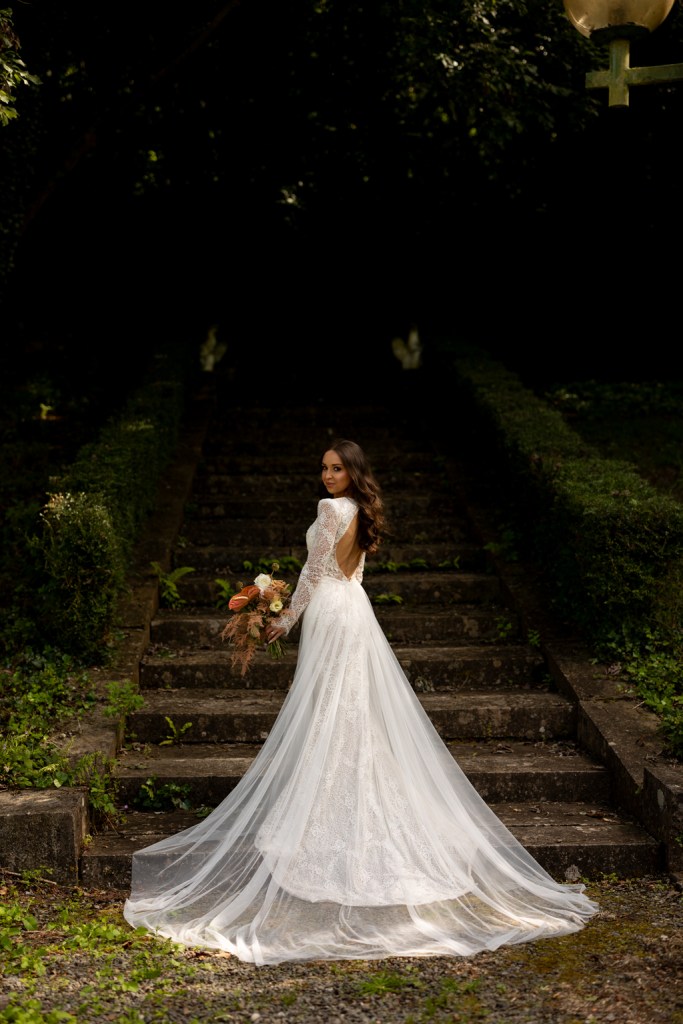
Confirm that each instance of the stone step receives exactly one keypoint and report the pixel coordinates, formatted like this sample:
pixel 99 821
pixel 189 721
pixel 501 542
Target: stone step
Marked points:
pixel 423 588
pixel 509 771
pixel 217 459
pixel 229 555
pixel 275 505
pixel 575 840
pixel 260 440
pixel 247 715
pixel 429 669
pixel 427 625
pixel 287 531
pixel 313 427
pixel 397 482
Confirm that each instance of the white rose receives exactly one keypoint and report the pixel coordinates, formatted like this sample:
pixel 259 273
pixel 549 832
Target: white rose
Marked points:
pixel 275 606
pixel 263 580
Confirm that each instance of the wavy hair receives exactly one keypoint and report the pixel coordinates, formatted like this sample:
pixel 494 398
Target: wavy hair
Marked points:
pixel 365 490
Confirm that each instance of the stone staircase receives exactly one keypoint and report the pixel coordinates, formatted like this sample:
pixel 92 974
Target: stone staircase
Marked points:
pixel 483 684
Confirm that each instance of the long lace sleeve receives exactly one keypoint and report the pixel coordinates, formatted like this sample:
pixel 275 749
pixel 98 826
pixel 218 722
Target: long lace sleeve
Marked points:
pixel 325 531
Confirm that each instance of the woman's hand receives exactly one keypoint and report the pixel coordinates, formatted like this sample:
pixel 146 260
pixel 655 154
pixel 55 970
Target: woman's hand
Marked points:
pixel 274 633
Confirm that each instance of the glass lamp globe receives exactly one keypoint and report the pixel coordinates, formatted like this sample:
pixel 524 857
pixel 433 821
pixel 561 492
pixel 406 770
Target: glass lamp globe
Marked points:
pixel 630 16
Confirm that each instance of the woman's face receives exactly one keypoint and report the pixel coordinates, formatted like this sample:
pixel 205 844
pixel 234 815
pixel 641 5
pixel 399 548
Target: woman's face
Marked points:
pixel 334 475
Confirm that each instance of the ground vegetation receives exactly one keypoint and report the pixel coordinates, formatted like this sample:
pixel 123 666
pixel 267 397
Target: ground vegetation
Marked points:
pixel 69 956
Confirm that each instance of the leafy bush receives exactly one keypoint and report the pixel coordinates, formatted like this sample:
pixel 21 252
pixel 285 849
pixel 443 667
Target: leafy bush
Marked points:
pixel 610 545
pixel 40 689
pixel 78 552
pixel 122 699
pixel 123 466
pixel 84 574
pixel 38 693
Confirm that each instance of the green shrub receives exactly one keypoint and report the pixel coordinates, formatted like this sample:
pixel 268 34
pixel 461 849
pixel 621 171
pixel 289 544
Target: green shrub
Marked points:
pixel 39 692
pixel 617 543
pixel 609 544
pixel 40 688
pixel 78 552
pixel 84 573
pixel 123 466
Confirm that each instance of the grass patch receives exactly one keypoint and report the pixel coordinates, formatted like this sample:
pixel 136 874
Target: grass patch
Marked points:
pixel 45 929
pixel 68 951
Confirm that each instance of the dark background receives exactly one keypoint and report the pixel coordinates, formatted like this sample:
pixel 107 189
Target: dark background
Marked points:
pixel 554 246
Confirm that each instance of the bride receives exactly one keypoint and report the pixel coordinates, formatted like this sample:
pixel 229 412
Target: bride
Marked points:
pixel 354 833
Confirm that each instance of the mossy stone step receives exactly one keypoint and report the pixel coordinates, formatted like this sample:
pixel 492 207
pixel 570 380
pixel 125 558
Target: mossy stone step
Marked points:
pixel 314 427
pixel 429 669
pixel 217 458
pixel 419 588
pixel 273 503
pixel 228 555
pixel 261 440
pixel 395 484
pixel 508 770
pixel 425 625
pixel 247 715
pixel 570 840
pixel 286 531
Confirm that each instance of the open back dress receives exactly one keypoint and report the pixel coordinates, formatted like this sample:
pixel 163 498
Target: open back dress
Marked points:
pixel 354 833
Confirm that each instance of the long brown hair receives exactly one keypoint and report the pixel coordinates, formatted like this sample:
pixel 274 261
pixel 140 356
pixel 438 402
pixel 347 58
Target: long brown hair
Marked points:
pixel 365 490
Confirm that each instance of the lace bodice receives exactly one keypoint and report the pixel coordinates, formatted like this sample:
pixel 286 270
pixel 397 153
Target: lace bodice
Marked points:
pixel 335 516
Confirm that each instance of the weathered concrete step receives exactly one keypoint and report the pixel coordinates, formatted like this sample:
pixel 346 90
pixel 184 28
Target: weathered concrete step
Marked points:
pixel 459 623
pixel 287 531
pixel 247 716
pixel 228 555
pixel 385 462
pixel 314 426
pixel 509 771
pixel 44 828
pixel 275 505
pixel 580 840
pixel 492 667
pixel 423 588
pixel 382 441
pixel 416 625
pixel 255 485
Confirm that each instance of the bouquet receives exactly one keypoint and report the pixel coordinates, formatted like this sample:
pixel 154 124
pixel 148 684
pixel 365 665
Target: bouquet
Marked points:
pixel 264 599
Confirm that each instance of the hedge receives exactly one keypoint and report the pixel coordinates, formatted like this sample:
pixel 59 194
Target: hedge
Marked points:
pixel 609 544
pixel 92 519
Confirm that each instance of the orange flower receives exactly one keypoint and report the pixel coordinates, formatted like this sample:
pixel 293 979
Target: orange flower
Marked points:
pixel 241 600
pixel 254 606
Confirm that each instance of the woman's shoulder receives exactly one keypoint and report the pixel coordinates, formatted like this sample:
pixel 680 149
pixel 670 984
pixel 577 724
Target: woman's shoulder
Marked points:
pixel 327 506
pixel 334 506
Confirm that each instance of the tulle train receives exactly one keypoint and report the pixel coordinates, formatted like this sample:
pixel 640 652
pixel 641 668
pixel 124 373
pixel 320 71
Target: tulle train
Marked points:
pixel 354 833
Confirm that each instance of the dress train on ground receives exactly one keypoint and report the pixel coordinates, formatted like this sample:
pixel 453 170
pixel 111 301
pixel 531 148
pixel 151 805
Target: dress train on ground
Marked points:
pixel 354 833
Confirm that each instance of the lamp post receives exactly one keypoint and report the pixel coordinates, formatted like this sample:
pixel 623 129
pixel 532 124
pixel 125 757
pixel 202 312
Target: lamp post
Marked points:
pixel 617 23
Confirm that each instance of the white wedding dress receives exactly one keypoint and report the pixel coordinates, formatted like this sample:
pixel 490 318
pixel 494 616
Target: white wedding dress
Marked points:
pixel 354 833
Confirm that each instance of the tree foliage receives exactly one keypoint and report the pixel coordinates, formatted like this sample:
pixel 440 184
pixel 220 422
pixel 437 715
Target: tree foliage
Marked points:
pixel 13 70
pixel 266 140
pixel 333 98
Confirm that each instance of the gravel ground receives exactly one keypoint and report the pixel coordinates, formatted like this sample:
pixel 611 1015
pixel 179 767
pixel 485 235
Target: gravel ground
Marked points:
pixel 73 958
